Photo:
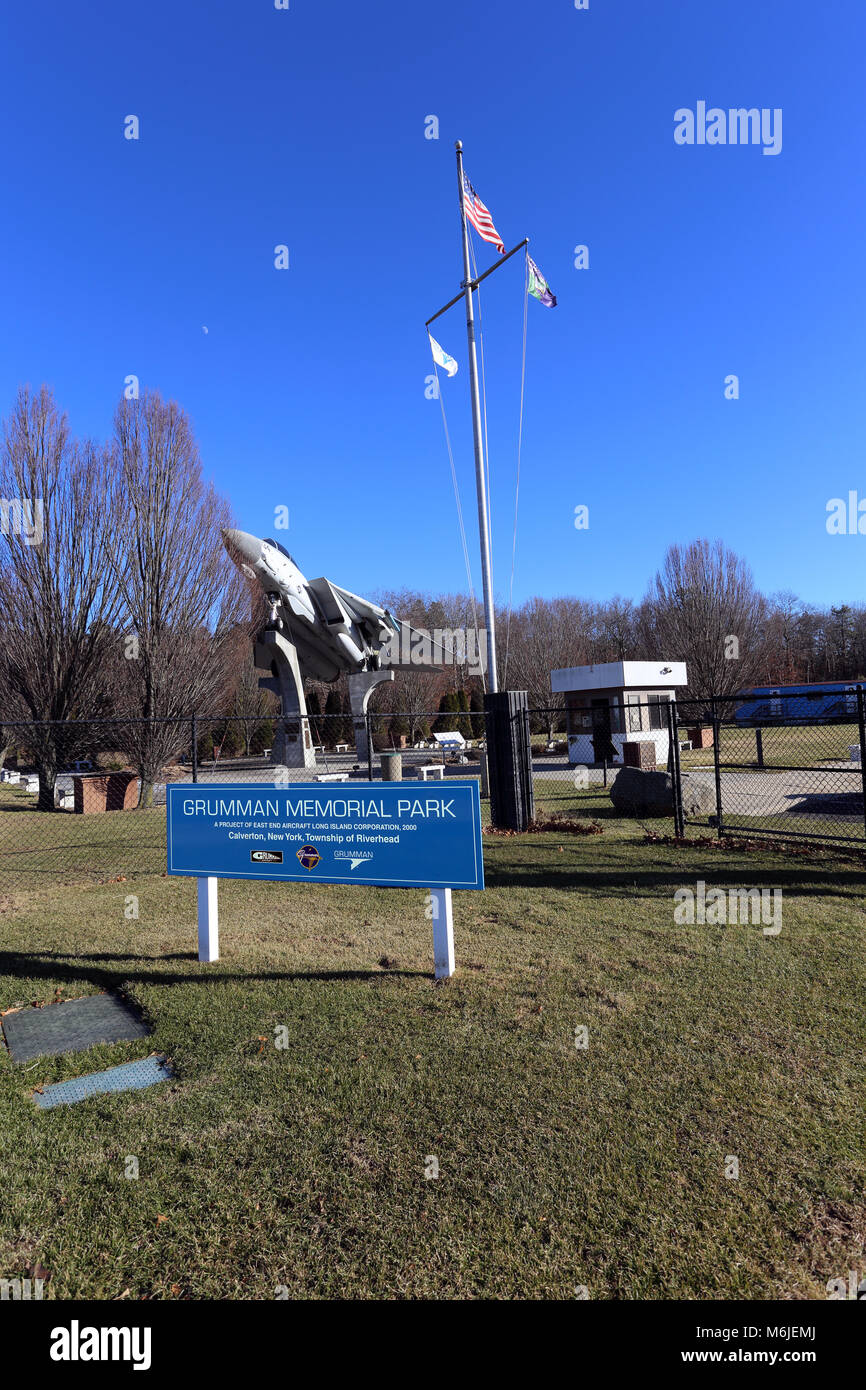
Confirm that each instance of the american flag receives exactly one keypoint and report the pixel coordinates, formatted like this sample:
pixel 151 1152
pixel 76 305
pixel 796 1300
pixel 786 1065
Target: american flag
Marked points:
pixel 480 217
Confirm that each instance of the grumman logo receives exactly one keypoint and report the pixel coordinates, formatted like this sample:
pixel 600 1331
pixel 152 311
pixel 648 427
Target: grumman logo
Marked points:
pixel 266 856
pixel 353 856
pixel 77 1343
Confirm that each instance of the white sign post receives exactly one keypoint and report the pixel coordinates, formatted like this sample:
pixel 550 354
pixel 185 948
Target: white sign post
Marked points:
pixel 387 836
pixel 441 906
pixel 208 919
pixel 443 932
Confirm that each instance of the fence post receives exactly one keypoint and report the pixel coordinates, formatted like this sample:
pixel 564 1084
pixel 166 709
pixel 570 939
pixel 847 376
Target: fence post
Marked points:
pixel 716 765
pixel 194 757
pixel 509 759
pixel 679 770
pixel 674 760
pixel 861 720
pixel 759 746
pixel 369 747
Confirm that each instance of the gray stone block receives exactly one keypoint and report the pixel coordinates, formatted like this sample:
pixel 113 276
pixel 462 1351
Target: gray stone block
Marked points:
pixel 635 792
pixel 699 795
pixel 638 793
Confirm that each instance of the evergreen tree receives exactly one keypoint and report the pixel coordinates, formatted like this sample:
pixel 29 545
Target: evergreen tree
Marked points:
pixel 204 747
pixel 449 709
pixel 399 729
pixel 476 719
pixel 333 727
pixel 231 741
pixel 314 709
pixel 263 737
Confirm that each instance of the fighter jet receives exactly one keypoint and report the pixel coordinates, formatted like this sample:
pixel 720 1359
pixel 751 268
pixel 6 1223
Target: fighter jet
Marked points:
pixel 333 629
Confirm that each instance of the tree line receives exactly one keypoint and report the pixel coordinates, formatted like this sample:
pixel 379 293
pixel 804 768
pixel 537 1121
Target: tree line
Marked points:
pixel 127 607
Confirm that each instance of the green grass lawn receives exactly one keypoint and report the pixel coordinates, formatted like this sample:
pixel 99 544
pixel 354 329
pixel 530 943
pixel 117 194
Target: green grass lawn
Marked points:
pixel 559 1167
pixel 785 746
pixel 845 832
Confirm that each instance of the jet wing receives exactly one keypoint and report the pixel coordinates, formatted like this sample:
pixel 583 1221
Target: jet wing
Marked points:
pixel 381 626
pixel 341 605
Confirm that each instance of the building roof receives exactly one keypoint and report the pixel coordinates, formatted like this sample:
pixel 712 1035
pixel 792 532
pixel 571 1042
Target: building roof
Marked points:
pixel 622 675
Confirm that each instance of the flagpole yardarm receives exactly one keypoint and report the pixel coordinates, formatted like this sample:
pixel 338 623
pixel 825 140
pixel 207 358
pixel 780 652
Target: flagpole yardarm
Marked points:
pixel 475 283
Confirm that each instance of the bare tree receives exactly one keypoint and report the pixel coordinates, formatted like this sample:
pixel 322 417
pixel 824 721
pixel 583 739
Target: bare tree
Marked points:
pixel 460 620
pixel 616 629
pixel 545 635
pixel 416 694
pixel 781 660
pixel 416 690
pixel 251 707
pixel 706 611
pixel 183 598
pixel 59 599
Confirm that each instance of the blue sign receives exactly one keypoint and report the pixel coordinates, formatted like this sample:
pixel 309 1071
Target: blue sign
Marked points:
pixel 394 834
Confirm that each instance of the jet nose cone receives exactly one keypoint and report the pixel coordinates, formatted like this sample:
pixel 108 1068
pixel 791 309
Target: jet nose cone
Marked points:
pixel 245 550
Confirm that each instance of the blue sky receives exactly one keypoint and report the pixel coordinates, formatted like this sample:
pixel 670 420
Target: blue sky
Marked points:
pixel 261 127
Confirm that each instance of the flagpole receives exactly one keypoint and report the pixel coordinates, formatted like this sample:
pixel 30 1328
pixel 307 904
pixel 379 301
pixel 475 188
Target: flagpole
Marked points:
pixel 480 484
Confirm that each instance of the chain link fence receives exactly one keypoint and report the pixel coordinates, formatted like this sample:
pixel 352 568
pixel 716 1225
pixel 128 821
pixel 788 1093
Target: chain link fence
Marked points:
pixel 776 768
pixel 86 799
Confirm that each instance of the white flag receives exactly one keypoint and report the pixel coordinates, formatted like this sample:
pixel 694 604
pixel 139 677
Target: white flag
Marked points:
pixel 440 356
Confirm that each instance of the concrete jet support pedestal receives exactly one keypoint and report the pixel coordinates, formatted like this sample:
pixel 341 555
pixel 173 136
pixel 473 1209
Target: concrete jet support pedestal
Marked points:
pixel 293 746
pixel 361 687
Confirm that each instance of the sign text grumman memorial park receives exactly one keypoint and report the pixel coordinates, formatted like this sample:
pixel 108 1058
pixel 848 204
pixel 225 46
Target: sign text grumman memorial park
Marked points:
pixel 396 835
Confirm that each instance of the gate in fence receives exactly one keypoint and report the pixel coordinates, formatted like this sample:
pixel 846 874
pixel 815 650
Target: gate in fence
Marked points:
pixel 782 769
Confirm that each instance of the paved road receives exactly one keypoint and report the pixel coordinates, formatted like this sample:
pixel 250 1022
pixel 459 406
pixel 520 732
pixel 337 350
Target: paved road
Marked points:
pixel 833 792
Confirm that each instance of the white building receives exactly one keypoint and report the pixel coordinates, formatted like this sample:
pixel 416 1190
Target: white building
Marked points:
pixel 617 702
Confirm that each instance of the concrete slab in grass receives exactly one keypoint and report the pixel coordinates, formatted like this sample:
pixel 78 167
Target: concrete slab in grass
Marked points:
pixel 132 1076
pixel 71 1026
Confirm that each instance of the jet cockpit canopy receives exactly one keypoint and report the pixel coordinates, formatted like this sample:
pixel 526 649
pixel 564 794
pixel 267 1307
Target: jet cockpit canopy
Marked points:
pixel 280 548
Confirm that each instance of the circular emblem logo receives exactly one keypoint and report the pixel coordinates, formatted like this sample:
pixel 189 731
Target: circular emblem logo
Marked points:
pixel 309 856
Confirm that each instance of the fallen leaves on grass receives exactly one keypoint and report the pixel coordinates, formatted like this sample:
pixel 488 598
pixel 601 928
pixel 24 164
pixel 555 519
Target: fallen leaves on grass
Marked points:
pixel 745 846
pixel 833 1235
pixel 564 826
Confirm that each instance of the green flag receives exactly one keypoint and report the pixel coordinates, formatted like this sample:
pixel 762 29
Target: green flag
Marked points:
pixel 538 286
